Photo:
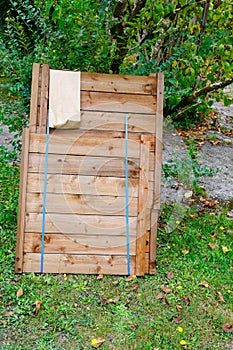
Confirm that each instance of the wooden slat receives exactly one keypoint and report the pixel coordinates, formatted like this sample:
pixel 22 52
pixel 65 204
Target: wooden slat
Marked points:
pixel 80 264
pixel 78 244
pixel 153 241
pixel 118 83
pixel 79 184
pixel 144 123
pixel 143 212
pixel 34 97
pixel 79 224
pixel 127 103
pixel 44 99
pixel 80 204
pixel 89 143
pixel 97 166
pixel 22 202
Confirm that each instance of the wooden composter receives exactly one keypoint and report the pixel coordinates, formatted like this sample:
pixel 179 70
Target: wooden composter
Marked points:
pixel 90 195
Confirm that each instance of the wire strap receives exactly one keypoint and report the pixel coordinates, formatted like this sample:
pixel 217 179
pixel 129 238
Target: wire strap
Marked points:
pixel 127 194
pixel 44 197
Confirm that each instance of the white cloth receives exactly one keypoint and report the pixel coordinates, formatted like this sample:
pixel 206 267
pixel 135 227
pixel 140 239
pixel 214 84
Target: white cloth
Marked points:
pixel 64 99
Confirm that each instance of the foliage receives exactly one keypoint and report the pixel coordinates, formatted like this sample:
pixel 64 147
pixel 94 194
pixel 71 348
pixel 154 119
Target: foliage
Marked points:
pixel 189 299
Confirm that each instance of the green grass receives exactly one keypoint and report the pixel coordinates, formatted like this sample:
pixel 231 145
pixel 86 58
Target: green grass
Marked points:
pixel 129 315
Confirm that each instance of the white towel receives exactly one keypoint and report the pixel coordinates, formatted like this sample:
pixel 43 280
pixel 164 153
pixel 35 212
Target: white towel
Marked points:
pixel 64 99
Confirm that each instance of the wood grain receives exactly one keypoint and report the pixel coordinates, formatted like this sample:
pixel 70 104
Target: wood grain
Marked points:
pixel 34 97
pixel 44 99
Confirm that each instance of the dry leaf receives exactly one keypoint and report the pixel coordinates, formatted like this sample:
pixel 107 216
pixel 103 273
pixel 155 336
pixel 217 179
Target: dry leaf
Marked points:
pixel 115 282
pixel 185 251
pixel 159 296
pixel 19 292
pixel 225 249
pixel 212 245
pixel 186 299
pixel 214 235
pixel 9 313
pixel 100 277
pixel 170 275
pixel 194 215
pixel 166 302
pixel 165 289
pixel 179 307
pixel 134 286
pixel 210 204
pixel 97 342
pixel 38 304
pixel 204 284
pixel 220 297
pixel 3 322
pixel 130 278
pixel 227 327
pixel 216 304
pixel 177 319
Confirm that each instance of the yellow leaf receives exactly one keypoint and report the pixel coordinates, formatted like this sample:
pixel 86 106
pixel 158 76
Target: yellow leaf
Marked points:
pixel 130 278
pixel 225 249
pixel 19 292
pixel 204 284
pixel 182 342
pixel 180 329
pixel 97 342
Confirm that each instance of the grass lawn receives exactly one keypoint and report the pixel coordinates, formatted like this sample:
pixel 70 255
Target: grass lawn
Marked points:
pixel 186 305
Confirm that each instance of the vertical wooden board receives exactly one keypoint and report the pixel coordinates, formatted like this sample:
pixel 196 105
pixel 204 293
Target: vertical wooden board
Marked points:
pixel 44 99
pixel 143 213
pixel 22 202
pixel 153 241
pixel 34 97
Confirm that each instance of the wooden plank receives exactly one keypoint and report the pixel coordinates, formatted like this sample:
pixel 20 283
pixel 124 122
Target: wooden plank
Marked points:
pixel 143 213
pixel 79 224
pixel 115 102
pixel 78 244
pixel 79 264
pixel 80 204
pixel 34 97
pixel 22 202
pixel 44 99
pixel 79 184
pixel 97 166
pixel 118 83
pixel 74 142
pixel 92 120
pixel 153 241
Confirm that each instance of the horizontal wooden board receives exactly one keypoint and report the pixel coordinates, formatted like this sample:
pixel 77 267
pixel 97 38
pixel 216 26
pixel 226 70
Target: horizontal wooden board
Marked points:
pixel 79 244
pixel 118 83
pixel 80 204
pixel 80 184
pixel 115 102
pixel 80 224
pixel 73 143
pixel 80 264
pixel 97 166
pixel 91 120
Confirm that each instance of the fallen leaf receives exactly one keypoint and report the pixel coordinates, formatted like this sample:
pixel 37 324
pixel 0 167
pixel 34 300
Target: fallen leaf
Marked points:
pixel 38 304
pixel 115 282
pixel 220 297
pixel 212 245
pixel 19 292
pixel 186 299
pixel 216 304
pixel 170 275
pixel 227 327
pixel 100 277
pixel 165 289
pixel 210 204
pixel 179 307
pixel 166 302
pixel 9 313
pixel 185 251
pixel 3 322
pixel 194 215
pixel 214 235
pixel 134 286
pixel 177 319
pixel 159 296
pixel 204 284
pixel 130 278
pixel 225 249
pixel 97 342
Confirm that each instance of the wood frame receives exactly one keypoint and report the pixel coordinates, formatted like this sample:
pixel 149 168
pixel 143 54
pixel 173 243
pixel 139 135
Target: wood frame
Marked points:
pixel 85 209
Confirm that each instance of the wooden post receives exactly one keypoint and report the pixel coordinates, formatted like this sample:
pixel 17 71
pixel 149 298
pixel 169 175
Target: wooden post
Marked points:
pixel 22 202
pixel 34 97
pixel 44 99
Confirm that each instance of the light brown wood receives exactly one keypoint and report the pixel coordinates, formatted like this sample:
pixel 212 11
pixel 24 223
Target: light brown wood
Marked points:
pixel 34 97
pixel 44 99
pixel 143 213
pixel 79 244
pixel 118 83
pixel 80 224
pixel 80 264
pixel 127 103
pixel 153 241
pixel 22 202
pixel 80 184
pixel 92 120
pixel 80 204
pixel 97 166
